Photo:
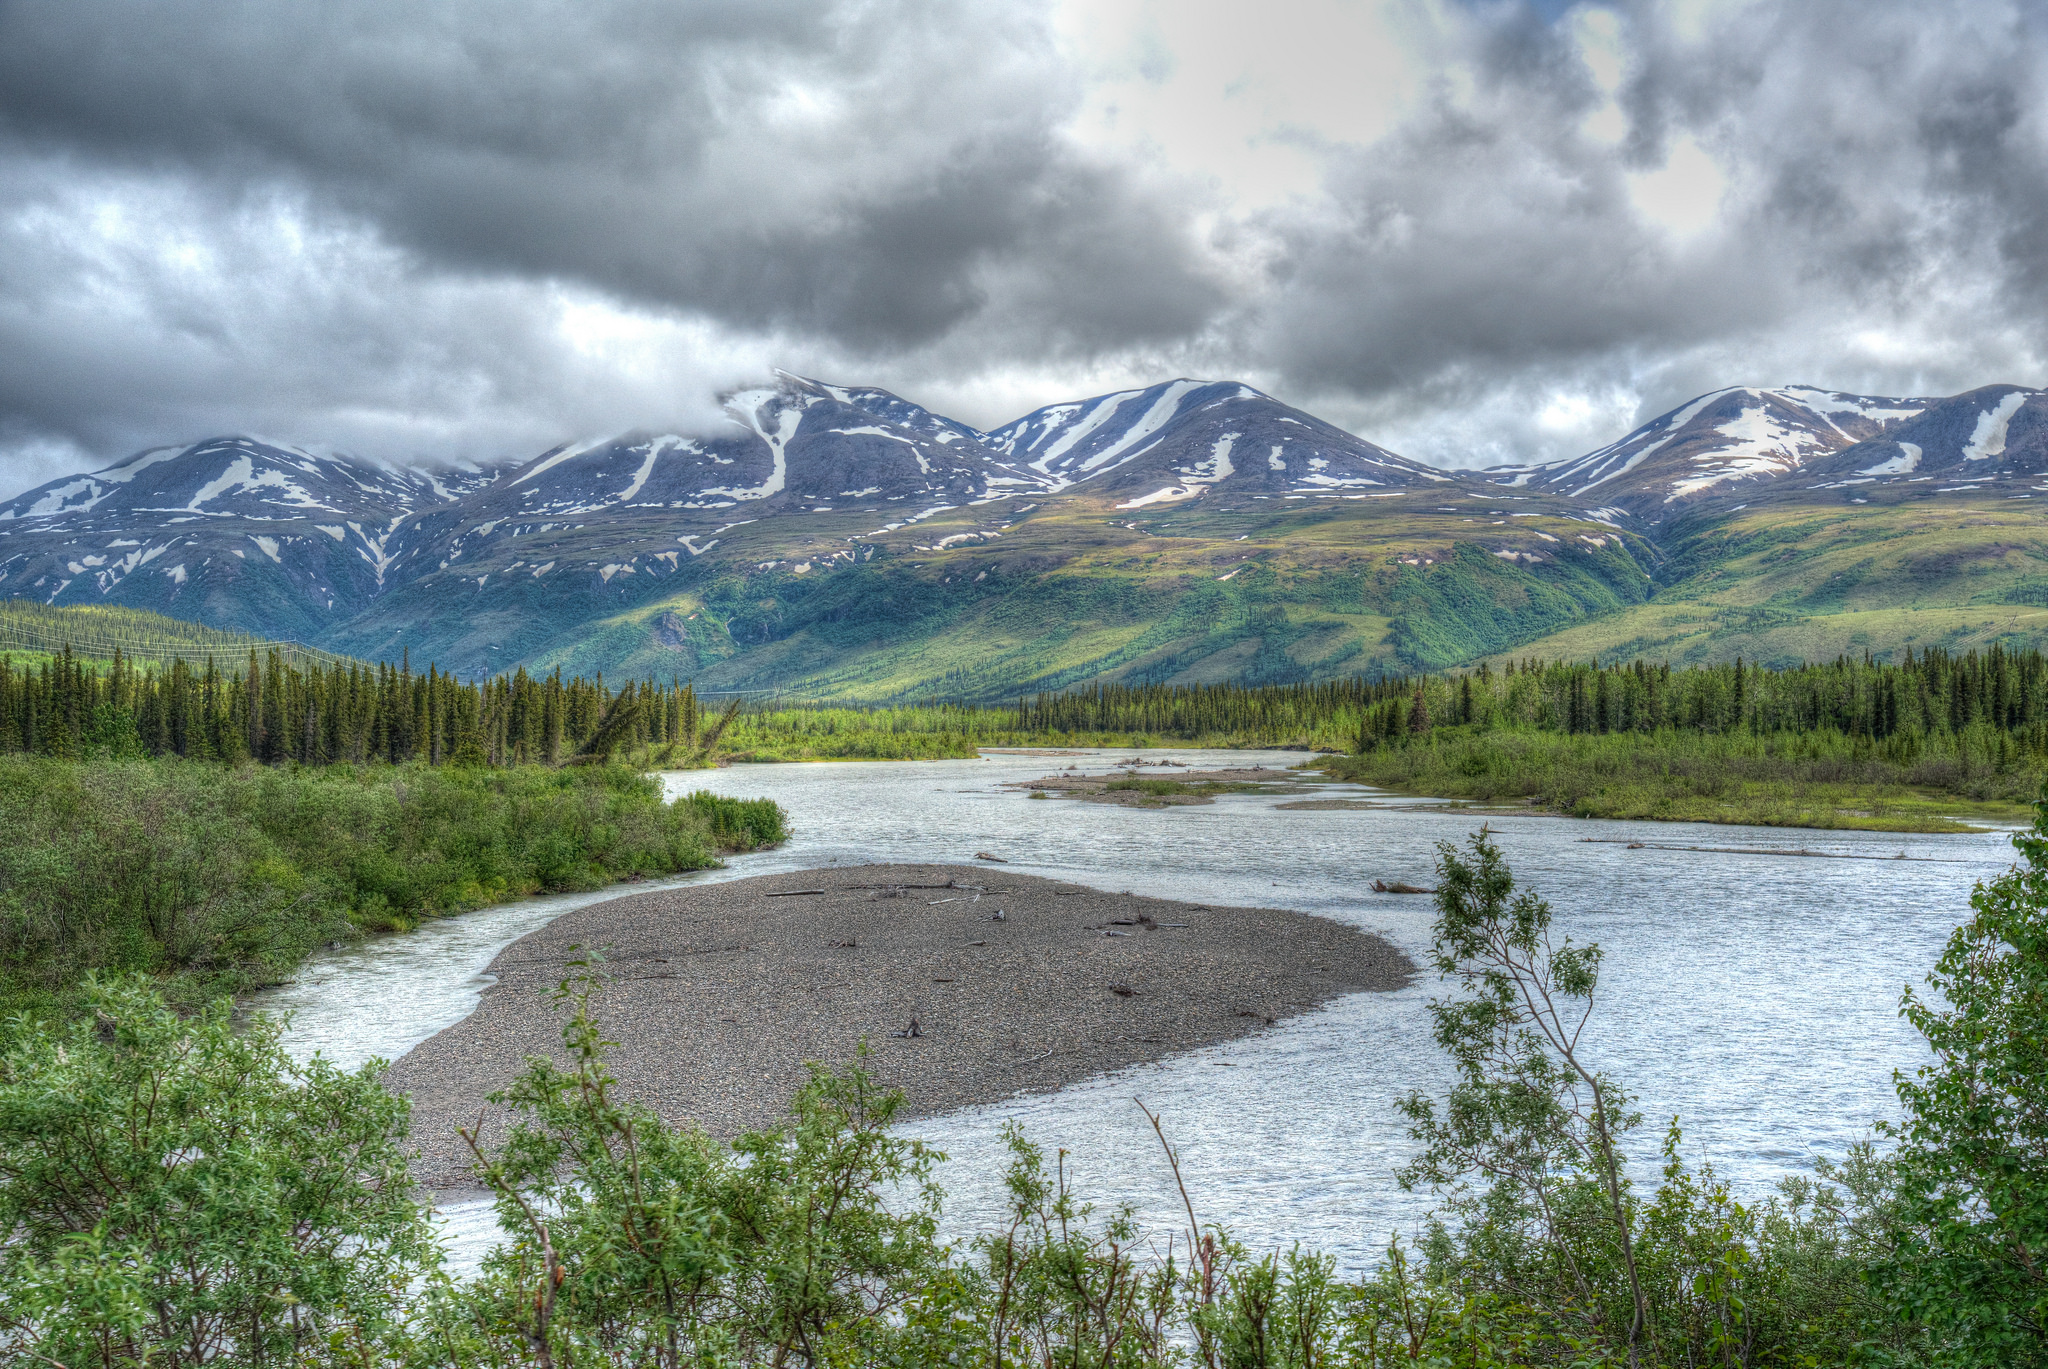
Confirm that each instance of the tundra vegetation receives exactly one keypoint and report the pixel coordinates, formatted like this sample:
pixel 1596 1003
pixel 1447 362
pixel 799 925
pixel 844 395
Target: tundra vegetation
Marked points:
pixel 177 1192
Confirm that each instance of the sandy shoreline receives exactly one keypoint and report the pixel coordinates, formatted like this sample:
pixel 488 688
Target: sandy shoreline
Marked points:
pixel 718 993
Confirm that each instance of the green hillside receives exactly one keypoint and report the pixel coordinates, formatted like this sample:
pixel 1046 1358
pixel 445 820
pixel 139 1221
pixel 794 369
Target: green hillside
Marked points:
pixel 989 602
pixel 30 631
pixel 1785 584
pixel 1070 591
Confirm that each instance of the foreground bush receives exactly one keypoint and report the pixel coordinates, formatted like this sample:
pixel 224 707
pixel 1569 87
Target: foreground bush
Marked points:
pixel 635 1242
pixel 1971 1234
pixel 1545 1252
pixel 225 877
pixel 173 1192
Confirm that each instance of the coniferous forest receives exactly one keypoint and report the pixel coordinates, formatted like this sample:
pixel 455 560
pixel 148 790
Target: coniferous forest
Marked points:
pixel 273 711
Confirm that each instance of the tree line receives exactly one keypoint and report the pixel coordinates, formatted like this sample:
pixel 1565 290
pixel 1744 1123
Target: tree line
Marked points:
pixel 1932 692
pixel 272 710
pixel 271 707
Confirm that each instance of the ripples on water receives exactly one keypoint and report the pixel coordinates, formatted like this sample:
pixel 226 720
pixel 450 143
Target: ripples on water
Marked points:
pixel 1755 995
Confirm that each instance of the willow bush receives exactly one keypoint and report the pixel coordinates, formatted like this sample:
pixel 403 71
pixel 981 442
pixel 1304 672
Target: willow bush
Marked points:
pixel 222 877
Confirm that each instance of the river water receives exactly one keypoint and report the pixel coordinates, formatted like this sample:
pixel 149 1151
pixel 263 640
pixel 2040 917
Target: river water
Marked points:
pixel 1754 995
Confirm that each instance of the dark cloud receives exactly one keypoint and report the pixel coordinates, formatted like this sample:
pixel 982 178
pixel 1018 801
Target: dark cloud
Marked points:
pixel 804 178
pixel 478 225
pixel 848 170
pixel 1882 225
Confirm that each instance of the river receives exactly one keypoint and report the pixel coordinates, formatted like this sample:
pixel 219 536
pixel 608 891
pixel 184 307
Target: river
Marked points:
pixel 1756 996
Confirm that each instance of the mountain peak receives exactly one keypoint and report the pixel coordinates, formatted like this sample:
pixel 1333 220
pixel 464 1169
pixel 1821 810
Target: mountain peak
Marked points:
pixel 1716 445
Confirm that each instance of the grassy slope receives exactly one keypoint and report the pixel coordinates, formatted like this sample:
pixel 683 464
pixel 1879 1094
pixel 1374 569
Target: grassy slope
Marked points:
pixel 1076 591
pixel 1781 585
pixel 30 633
pixel 1063 591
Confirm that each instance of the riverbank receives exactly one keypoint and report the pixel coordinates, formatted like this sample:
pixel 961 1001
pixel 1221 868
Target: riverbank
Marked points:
pixel 1824 782
pixel 718 994
pixel 215 878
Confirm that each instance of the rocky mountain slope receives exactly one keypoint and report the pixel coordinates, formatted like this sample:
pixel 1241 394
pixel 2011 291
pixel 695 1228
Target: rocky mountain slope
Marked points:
pixel 1724 445
pixel 843 541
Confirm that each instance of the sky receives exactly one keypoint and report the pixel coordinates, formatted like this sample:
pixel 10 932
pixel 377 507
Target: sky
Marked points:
pixel 1474 231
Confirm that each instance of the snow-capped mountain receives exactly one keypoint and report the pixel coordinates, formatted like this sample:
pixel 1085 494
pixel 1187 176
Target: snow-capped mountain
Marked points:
pixel 1723 444
pixel 239 477
pixel 289 542
pixel 219 513
pixel 1185 438
pixel 799 442
pixel 1996 437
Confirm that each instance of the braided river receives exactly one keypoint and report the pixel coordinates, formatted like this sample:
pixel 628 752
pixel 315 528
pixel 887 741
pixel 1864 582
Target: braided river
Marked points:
pixel 1751 992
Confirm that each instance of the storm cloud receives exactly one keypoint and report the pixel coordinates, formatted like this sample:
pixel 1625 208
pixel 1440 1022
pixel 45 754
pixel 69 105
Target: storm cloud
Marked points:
pixel 1473 232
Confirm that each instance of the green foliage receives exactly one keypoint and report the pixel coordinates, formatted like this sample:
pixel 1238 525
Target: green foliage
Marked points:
pixel 640 1243
pixel 739 824
pixel 103 631
pixel 323 710
pixel 1820 778
pixel 1057 1286
pixel 225 877
pixel 1972 1236
pixel 1473 603
pixel 177 1192
pixel 1145 786
pixel 1555 1255
pixel 1528 1114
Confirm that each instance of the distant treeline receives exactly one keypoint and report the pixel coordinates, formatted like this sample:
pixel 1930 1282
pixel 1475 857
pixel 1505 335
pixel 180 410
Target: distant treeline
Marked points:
pixel 1207 710
pixel 265 707
pixel 271 710
pixel 1931 693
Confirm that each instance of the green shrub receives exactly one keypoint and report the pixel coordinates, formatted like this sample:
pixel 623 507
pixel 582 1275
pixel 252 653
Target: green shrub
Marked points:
pixel 636 1242
pixel 228 877
pixel 178 1192
pixel 740 824
pixel 1971 1255
pixel 1157 788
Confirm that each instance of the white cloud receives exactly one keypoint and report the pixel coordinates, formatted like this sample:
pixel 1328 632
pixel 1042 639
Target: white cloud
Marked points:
pixel 1683 195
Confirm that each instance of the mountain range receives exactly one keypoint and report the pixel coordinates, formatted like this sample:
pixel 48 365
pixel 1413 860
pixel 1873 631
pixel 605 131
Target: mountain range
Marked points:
pixel 841 541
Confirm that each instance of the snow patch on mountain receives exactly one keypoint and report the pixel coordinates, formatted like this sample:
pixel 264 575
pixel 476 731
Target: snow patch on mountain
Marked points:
pixel 1763 446
pixel 1989 438
pixel 568 451
pixel 1832 402
pixel 654 451
pixel 749 406
pixel 1162 411
pixel 1906 461
pixel 1095 419
pixel 1672 424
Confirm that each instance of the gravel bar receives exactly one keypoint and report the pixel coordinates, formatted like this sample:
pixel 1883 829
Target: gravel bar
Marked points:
pixel 717 994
